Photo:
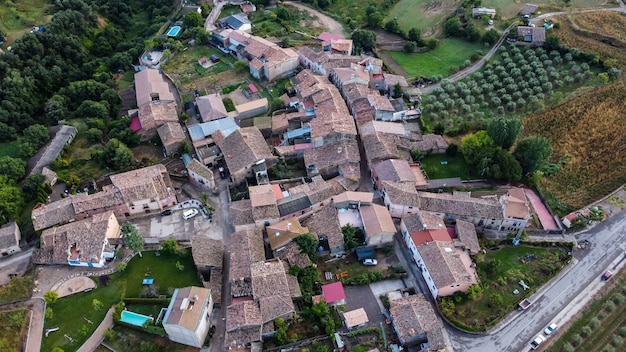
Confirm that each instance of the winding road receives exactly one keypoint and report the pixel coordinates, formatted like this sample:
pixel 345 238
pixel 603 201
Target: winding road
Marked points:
pixel 333 26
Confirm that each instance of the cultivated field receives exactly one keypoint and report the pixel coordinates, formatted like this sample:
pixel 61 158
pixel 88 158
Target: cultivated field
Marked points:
pixel 426 15
pixel 588 133
pixel 18 17
pixel 602 33
pixel 510 8
pixel 450 53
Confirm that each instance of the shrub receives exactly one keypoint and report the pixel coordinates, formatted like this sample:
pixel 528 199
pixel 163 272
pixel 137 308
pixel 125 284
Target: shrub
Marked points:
pixel 622 331
pixel 608 348
pixel 585 331
pixel 617 341
pixel 609 306
pixel 567 347
pixel 594 323
pixel 618 298
pixel 576 340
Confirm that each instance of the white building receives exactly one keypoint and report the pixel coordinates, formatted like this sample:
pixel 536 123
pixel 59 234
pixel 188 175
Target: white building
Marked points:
pixel 187 319
pixel 10 236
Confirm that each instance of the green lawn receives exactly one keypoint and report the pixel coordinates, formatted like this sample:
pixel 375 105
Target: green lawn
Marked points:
pixel 11 149
pixel 229 10
pixel 186 62
pixel 455 166
pixel 450 53
pixel 429 13
pixel 500 271
pixel 18 17
pixel 127 80
pixel 70 313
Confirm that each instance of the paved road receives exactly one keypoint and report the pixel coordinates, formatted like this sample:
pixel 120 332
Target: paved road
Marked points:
pixel 209 23
pixel 608 241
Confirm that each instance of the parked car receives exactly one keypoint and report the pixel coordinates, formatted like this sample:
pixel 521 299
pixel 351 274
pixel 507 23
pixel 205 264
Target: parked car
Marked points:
pixel 188 214
pixel 222 172
pixel 166 212
pixel 539 339
pixel 549 329
pixel 607 275
pixel 370 262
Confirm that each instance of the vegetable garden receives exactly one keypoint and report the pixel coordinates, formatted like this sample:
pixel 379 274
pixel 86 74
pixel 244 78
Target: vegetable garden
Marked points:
pixel 522 79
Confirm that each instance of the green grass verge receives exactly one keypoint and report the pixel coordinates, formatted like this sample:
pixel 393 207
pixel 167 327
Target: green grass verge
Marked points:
pixel 455 166
pixel 70 313
pixel 11 149
pixel 127 80
pixel 13 322
pixel 186 62
pixel 499 272
pixel 450 53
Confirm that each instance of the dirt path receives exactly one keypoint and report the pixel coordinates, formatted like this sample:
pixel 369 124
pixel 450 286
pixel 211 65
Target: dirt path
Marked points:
pixel 333 26
pixel 392 65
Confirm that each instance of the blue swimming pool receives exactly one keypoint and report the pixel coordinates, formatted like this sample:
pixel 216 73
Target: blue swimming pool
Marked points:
pixel 134 318
pixel 173 31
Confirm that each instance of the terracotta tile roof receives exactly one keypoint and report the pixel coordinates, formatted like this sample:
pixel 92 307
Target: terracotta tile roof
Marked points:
pixel 262 195
pixel 291 254
pixel 412 316
pixel 402 193
pixel 332 123
pixel 392 80
pixel 283 232
pixel 280 122
pixel 150 83
pixel 374 127
pixel 88 236
pixel 394 170
pixel 445 265
pixel 184 298
pixel 236 340
pixel 380 102
pixel 363 112
pixel 380 146
pixel 355 318
pixel 215 285
pixel 354 197
pixel 241 212
pixel 325 223
pixel 108 197
pixel 342 45
pixel 207 251
pixel 154 115
pixel 171 133
pixel 341 184
pixel 270 287
pixel 431 142
pixel 211 107
pixel 355 91
pixel 328 155
pixel 7 235
pixel 376 220
pixel 58 212
pixel 467 235
pixel 200 169
pixel 460 204
pixel 516 204
pixel 242 315
pixel 353 72
pixel 317 190
pixel 246 248
pixel 244 147
pixel 152 182
pixel 425 236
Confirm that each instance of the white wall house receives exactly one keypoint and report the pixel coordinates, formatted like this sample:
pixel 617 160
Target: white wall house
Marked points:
pixel 187 319
pixel 10 236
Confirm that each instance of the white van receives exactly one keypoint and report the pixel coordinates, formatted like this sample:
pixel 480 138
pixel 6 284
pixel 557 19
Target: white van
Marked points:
pixel 188 214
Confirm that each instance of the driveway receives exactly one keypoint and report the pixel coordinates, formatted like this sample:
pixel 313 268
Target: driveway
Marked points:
pixel 163 227
pixel 362 297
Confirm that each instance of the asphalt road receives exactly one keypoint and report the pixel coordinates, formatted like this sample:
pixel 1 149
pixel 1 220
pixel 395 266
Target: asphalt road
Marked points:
pixel 608 241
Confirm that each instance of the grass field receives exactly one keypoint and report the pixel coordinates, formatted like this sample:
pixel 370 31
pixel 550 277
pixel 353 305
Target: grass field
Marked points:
pixel 499 272
pixel 18 17
pixel 354 9
pixel 509 9
pixel 455 166
pixel 11 149
pixel 13 325
pixel 448 54
pixel 602 325
pixel 70 313
pixel 426 15
pixel 587 132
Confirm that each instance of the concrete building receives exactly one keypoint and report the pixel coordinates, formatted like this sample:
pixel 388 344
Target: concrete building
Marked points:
pixel 187 317
pixel 10 237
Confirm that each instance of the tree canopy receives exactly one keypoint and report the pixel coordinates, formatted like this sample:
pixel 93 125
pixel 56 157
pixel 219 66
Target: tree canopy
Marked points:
pixel 133 239
pixel 12 168
pixel 192 19
pixel 363 39
pixel 489 160
pixel 504 130
pixel 533 153
pixel 308 244
pixel 11 200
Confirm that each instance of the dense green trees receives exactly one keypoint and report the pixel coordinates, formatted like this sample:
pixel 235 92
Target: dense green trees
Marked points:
pixel 11 200
pixel 115 155
pixel 533 153
pixel 12 168
pixel 363 40
pixel 488 159
pixel 192 19
pixel 504 131
pixel 308 244
pixel 132 238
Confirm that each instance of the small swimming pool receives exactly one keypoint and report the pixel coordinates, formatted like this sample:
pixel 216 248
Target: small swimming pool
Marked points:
pixel 134 318
pixel 173 31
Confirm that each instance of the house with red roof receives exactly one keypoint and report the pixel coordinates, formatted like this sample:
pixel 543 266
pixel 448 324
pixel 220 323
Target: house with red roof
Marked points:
pixel 334 294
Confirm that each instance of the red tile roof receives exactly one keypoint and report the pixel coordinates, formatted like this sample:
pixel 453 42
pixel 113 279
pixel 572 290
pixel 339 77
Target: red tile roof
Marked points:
pixel 426 236
pixel 333 292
